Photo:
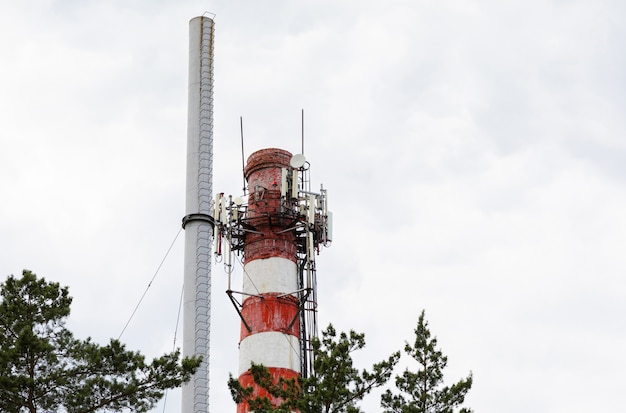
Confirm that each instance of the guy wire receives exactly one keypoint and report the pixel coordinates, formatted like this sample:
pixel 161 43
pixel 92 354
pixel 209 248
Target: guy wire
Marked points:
pixel 150 283
pixel 180 306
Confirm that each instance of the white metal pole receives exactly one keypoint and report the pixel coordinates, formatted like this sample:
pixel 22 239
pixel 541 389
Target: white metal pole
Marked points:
pixel 197 222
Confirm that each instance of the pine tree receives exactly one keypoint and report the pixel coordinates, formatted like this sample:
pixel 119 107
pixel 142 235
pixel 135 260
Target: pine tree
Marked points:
pixel 336 386
pixel 43 368
pixel 422 391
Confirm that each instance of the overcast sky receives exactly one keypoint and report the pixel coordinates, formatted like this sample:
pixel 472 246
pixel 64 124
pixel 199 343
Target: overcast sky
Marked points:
pixel 474 153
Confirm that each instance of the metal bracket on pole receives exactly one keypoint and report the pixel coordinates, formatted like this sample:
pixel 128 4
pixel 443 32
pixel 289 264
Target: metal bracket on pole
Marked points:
pixel 300 307
pixel 237 306
pixel 198 217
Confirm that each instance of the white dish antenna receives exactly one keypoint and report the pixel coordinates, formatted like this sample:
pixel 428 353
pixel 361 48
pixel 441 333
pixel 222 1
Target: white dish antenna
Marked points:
pixel 297 161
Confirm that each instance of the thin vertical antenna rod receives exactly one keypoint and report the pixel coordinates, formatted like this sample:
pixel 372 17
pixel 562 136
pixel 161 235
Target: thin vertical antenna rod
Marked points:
pixel 302 132
pixel 243 162
pixel 198 222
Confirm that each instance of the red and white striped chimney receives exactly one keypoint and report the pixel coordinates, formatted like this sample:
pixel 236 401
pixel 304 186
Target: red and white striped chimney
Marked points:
pixel 270 277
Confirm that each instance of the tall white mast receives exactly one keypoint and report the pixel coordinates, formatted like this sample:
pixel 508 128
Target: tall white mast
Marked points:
pixel 198 221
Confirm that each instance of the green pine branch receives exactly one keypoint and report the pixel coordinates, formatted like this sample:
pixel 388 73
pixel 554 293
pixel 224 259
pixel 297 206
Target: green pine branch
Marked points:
pixel 43 368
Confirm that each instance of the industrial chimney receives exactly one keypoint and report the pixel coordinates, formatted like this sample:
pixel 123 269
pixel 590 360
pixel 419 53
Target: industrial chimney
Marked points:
pixel 278 230
pixel 198 221
pixel 270 335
